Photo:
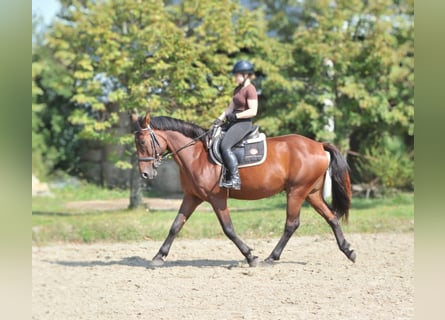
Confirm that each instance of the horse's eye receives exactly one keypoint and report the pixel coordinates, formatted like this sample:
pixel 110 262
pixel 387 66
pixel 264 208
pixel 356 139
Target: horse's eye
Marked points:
pixel 142 142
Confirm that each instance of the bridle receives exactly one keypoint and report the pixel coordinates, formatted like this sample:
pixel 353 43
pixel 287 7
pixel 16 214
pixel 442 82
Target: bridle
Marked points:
pixel 157 159
pixel 154 142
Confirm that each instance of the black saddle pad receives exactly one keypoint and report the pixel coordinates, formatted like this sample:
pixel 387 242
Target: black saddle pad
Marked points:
pixel 251 151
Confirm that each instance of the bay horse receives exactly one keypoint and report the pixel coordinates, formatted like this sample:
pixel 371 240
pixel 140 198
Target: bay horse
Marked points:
pixel 294 164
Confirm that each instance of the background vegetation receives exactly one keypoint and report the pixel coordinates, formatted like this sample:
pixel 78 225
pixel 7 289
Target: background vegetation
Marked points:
pixel 53 221
pixel 341 71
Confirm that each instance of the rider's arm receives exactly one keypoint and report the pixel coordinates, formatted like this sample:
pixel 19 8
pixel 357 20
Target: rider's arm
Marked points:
pixel 251 111
pixel 228 110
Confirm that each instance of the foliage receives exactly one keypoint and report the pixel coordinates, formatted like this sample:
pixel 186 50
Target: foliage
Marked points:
pixel 47 121
pixel 358 55
pixel 390 164
pixel 38 141
pixel 171 60
pixel 54 141
pixel 353 77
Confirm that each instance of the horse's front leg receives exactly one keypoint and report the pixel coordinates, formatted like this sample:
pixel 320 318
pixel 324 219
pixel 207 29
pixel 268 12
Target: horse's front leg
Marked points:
pixel 188 206
pixel 222 212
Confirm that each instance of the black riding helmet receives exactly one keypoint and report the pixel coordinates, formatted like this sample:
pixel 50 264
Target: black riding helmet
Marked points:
pixel 243 66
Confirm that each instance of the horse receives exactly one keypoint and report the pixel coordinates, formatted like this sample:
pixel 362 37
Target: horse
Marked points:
pixel 294 164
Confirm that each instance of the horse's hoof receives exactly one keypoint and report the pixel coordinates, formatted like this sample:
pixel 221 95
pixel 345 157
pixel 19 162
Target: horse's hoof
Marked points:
pixel 157 262
pixel 253 262
pixel 352 256
pixel 268 262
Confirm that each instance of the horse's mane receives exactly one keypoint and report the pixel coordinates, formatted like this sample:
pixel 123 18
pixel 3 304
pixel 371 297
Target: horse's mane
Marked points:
pixel 186 128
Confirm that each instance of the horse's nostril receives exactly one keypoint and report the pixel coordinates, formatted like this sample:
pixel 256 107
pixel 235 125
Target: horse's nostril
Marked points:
pixel 144 175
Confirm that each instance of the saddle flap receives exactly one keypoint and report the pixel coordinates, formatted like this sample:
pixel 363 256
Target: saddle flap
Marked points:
pixel 253 133
pixel 249 152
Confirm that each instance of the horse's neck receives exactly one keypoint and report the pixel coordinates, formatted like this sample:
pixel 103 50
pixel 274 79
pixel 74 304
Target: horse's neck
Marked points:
pixel 175 140
pixel 184 157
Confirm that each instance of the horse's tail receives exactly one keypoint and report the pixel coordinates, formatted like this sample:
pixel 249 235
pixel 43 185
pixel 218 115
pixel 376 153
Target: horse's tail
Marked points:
pixel 341 183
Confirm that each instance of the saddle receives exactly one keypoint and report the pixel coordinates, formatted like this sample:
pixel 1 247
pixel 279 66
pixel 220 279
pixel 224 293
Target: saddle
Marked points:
pixel 250 151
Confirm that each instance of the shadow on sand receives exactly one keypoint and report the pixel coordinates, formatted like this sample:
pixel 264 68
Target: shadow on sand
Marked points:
pixel 148 264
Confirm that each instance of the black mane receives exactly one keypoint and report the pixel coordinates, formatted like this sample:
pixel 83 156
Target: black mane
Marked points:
pixel 186 128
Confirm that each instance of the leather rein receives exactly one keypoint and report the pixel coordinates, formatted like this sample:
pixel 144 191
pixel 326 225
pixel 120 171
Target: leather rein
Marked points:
pixel 155 142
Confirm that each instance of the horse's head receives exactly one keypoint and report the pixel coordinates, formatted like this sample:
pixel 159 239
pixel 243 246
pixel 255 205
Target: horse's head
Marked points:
pixel 148 145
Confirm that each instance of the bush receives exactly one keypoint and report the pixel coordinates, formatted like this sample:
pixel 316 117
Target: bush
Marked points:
pixel 389 164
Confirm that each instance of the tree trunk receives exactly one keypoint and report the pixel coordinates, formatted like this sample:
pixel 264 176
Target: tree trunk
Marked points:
pixel 135 184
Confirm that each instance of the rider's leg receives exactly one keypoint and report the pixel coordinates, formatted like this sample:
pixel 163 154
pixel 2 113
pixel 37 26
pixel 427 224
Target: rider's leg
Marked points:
pixel 231 163
pixel 235 133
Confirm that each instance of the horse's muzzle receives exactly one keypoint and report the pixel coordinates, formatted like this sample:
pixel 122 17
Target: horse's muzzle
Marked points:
pixel 149 174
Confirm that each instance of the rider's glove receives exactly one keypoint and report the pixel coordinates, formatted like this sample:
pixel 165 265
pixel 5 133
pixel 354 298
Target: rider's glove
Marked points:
pixel 231 117
pixel 217 123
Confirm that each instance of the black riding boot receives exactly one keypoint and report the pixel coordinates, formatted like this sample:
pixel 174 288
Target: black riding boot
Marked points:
pixel 231 163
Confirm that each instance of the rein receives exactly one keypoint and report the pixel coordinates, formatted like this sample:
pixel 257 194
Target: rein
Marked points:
pixel 159 157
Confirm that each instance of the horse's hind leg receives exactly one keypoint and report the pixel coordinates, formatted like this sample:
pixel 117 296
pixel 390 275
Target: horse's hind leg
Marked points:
pixel 294 203
pixel 188 205
pixel 317 202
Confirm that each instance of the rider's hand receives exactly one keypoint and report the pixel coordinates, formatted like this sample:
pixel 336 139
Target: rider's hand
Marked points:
pixel 217 123
pixel 231 117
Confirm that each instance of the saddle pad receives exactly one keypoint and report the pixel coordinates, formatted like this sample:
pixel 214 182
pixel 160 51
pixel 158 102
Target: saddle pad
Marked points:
pixel 249 153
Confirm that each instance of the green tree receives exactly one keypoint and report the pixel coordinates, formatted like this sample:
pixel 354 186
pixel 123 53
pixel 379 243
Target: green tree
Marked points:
pixel 353 65
pixel 38 140
pixel 370 46
pixel 54 142
pixel 282 17
pixel 372 80
pixel 116 54
pixel 223 32
pixel 387 164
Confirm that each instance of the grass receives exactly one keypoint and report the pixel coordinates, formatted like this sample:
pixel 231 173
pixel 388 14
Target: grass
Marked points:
pixel 83 192
pixel 53 222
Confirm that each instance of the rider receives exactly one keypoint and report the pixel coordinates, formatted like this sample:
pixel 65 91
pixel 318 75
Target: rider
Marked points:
pixel 239 114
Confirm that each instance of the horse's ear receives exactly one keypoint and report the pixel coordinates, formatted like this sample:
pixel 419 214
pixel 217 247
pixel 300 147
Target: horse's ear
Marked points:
pixel 146 120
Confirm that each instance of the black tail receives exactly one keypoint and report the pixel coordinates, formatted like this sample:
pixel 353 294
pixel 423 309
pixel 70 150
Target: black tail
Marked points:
pixel 341 183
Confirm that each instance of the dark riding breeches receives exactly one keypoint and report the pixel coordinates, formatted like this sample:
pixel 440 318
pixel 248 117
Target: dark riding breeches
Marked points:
pixel 234 134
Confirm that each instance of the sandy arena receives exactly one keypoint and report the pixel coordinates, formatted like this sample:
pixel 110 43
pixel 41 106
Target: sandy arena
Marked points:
pixel 208 279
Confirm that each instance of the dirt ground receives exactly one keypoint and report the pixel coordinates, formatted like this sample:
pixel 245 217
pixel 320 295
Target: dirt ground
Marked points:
pixel 208 279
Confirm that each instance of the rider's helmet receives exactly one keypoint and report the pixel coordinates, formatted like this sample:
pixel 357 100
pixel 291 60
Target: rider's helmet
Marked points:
pixel 243 66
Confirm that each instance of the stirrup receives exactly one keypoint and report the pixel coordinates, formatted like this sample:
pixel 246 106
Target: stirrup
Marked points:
pixel 231 184
pixel 236 184
pixel 225 181
pixel 227 184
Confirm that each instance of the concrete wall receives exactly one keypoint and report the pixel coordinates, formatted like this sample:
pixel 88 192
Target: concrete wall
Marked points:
pixel 167 181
